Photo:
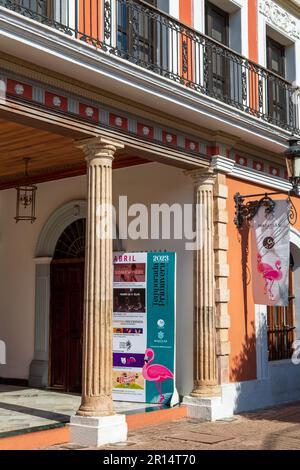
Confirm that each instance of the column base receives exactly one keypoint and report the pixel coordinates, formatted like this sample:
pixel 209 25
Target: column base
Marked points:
pixel 206 408
pixel 205 390
pixel 97 431
pixel 38 375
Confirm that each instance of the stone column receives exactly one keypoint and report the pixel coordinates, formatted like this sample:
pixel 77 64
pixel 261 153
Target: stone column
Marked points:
pixel 211 320
pixel 96 423
pixel 205 366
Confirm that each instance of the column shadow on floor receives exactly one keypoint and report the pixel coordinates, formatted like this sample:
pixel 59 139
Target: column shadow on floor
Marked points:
pixel 45 414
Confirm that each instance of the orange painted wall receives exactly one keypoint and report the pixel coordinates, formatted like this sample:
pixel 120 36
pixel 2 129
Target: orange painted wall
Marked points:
pixel 241 306
pixel 186 16
pixel 90 19
pixel 252 30
pixel 185 11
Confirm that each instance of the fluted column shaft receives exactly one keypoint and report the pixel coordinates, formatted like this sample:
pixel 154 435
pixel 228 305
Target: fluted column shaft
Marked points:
pixel 205 364
pixel 97 321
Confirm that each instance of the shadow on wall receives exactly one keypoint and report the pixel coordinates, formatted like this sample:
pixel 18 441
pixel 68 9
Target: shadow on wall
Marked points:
pixel 242 363
pixel 246 273
pixel 248 394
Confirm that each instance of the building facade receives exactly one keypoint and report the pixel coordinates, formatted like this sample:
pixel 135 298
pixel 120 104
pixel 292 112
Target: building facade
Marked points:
pixel 172 102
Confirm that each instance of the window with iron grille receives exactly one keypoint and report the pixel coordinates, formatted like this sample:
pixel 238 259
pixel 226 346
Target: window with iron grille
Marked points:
pixel 281 326
pixel 137 32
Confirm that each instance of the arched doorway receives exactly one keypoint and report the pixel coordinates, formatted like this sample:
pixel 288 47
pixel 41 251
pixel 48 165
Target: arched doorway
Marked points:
pixel 47 244
pixel 66 308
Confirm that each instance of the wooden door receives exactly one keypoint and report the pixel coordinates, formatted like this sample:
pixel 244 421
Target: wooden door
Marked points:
pixel 217 70
pixel 277 102
pixel 67 290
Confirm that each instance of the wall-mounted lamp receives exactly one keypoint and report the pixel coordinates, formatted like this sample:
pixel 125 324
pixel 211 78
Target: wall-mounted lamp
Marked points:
pixel 292 158
pixel 245 211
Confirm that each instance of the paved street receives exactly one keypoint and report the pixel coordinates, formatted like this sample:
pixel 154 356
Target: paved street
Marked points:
pixel 272 429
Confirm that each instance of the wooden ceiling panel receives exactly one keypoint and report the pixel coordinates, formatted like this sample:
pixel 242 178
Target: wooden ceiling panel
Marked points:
pixel 44 148
pixel 52 156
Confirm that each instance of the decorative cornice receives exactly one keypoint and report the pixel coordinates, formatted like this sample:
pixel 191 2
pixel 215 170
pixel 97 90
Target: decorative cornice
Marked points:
pixel 222 164
pixel 260 178
pixel 280 18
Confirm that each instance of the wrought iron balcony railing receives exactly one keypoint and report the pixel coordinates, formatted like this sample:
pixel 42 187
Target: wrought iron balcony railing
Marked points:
pixel 149 38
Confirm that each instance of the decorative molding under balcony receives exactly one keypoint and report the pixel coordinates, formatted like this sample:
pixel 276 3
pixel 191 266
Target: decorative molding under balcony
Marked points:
pixel 261 177
pixel 45 46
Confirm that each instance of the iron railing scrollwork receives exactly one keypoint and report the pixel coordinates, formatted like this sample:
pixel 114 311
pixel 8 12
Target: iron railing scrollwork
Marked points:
pixel 137 32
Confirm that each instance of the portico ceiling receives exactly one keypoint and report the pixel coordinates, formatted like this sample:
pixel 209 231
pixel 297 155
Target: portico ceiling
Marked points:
pixel 53 156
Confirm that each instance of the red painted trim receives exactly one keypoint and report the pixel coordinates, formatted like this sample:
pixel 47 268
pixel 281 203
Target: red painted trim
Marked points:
pixel 212 150
pixel 89 112
pixel 240 160
pixel 145 131
pixel 56 101
pixel 259 166
pixel 274 171
pixel 19 89
pixel 192 145
pixel 169 138
pixel 118 121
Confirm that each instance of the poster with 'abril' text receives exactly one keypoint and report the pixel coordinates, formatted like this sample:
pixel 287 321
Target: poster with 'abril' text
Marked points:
pixel 144 321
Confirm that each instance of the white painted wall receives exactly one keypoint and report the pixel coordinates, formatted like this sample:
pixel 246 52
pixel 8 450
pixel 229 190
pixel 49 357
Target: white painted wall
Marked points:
pixel 238 21
pixel 17 270
pixel 142 184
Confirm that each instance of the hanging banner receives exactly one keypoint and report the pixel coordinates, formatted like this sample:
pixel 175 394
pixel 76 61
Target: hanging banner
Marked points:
pixel 144 327
pixel 271 255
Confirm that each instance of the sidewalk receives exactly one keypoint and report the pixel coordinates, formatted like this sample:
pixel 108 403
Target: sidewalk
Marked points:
pixel 273 429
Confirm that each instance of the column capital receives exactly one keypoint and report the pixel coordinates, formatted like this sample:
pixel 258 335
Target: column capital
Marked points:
pixel 202 176
pixel 98 147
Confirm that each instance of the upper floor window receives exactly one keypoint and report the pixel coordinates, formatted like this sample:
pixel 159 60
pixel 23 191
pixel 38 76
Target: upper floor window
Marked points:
pixel 42 7
pixel 217 24
pixel 275 57
pixel 136 32
pixel 277 99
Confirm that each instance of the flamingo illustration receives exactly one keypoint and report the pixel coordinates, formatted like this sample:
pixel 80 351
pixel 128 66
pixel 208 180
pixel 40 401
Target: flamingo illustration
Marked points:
pixel 270 274
pixel 155 372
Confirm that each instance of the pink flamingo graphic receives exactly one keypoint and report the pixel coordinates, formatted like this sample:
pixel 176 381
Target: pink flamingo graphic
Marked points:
pixel 270 274
pixel 155 372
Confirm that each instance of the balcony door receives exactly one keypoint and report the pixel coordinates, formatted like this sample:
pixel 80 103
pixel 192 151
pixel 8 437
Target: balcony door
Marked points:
pixel 41 7
pixel 136 32
pixel 277 102
pixel 217 69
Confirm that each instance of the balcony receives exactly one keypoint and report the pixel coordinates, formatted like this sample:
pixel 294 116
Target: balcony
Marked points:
pixel 150 39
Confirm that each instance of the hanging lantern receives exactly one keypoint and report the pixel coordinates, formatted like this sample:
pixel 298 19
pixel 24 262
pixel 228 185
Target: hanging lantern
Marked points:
pixel 26 194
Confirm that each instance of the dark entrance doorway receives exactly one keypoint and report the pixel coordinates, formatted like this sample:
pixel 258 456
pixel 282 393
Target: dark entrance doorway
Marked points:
pixel 66 309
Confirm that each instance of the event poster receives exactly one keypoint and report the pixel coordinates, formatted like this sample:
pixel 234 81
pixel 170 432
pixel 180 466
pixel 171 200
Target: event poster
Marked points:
pixel 144 327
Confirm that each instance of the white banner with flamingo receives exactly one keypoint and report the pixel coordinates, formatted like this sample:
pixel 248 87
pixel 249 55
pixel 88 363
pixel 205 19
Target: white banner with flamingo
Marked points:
pixel 271 254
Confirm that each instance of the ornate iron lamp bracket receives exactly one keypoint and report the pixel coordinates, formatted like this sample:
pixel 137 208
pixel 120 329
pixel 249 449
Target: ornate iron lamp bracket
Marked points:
pixel 245 211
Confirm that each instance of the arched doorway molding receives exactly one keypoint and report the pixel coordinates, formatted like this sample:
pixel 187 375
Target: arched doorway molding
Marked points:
pixel 58 221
